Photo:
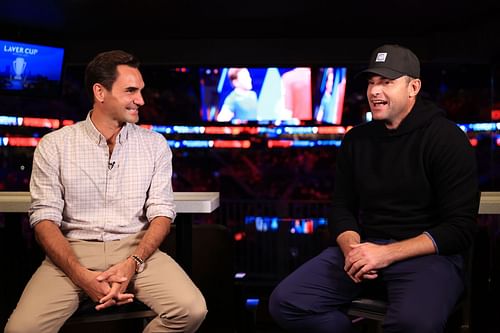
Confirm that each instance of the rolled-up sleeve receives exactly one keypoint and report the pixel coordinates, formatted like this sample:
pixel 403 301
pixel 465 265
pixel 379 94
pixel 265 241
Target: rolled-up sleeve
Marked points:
pixel 160 198
pixel 45 186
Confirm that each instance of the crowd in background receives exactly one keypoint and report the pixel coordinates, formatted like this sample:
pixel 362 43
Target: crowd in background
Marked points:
pixel 171 97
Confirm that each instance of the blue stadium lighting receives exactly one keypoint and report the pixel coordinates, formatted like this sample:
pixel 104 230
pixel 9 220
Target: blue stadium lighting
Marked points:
pixel 168 130
pixel 274 223
pixel 322 221
pixel 303 143
pixel 189 129
pixel 190 143
pixel 161 129
pixel 261 223
pixel 301 130
pixel 292 121
pixel 221 81
pixel 213 111
pixel 199 136
pixel 336 143
pixel 270 132
pixel 480 127
pixel 252 303
pixel 10 121
pixel 262 130
pixel 297 226
pixel 197 143
pixel 174 143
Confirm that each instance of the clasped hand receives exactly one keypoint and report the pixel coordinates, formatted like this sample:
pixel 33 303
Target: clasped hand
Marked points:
pixel 364 260
pixel 108 288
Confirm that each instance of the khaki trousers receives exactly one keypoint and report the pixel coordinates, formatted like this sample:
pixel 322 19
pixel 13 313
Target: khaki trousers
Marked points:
pixel 50 297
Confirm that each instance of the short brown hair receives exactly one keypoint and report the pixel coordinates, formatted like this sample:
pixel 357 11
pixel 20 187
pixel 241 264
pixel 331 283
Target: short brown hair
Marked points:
pixel 102 69
pixel 232 73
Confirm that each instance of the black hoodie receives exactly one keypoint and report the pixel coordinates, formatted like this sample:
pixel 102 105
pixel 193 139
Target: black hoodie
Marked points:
pixel 397 184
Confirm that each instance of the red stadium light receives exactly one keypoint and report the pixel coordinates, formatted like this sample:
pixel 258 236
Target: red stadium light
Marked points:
pixel 232 143
pixel 331 130
pixel 239 236
pixel 22 142
pixel 495 115
pixel 41 122
pixel 279 143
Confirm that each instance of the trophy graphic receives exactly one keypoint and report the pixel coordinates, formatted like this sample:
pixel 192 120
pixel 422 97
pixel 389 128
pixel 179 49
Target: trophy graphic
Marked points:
pixel 19 65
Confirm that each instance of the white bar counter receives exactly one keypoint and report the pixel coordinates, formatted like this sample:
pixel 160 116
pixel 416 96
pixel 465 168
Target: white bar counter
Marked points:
pixel 204 202
pixel 490 203
pixel 185 202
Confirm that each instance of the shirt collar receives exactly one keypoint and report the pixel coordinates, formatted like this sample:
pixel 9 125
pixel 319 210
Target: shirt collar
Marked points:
pixel 98 138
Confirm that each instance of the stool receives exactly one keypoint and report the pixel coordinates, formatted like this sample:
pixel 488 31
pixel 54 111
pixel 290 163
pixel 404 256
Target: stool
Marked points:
pixel 368 308
pixel 375 309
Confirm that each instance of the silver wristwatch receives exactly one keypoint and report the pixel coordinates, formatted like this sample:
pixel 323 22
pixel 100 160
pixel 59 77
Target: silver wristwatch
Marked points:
pixel 139 264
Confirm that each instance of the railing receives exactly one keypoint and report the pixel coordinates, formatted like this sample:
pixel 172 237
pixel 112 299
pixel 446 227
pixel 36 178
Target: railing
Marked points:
pixel 272 254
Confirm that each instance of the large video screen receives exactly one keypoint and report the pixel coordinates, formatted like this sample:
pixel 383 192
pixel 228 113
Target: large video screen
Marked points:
pixel 240 94
pixel 30 69
pixel 328 94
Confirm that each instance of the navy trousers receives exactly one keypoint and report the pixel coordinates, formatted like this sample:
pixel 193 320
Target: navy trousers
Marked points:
pixel 421 294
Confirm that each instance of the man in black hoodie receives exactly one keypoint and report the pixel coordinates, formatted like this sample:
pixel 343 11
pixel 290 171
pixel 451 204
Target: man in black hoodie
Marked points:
pixel 404 211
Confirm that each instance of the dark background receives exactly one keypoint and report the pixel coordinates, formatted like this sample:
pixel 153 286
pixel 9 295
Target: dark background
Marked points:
pixel 456 41
pixel 259 31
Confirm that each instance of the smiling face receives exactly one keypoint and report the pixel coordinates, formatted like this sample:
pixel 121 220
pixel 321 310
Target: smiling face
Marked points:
pixel 121 103
pixel 391 100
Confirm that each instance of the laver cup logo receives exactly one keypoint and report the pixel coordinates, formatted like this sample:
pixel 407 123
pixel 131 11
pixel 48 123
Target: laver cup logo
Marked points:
pixel 19 65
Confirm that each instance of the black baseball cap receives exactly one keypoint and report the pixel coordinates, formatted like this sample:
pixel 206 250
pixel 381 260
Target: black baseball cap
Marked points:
pixel 393 61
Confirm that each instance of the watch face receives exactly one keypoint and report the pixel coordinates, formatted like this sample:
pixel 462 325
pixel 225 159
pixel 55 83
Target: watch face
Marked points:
pixel 140 268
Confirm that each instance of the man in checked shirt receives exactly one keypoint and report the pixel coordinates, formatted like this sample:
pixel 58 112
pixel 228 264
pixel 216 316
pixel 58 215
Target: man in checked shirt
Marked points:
pixel 102 203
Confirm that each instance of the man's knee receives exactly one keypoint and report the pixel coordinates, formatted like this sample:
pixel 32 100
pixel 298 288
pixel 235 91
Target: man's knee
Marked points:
pixel 188 313
pixel 277 308
pixel 18 325
pixel 196 311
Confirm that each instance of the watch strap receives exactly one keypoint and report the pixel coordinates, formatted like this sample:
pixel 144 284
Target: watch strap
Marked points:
pixel 138 262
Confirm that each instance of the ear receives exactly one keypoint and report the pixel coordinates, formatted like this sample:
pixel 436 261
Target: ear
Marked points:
pixel 414 87
pixel 99 92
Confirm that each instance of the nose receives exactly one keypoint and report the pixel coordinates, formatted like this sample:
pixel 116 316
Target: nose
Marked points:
pixel 375 90
pixel 138 100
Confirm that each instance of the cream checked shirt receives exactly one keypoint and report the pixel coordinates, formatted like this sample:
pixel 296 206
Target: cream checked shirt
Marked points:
pixel 93 196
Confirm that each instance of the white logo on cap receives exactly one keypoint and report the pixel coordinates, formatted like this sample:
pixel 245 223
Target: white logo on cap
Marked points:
pixel 381 57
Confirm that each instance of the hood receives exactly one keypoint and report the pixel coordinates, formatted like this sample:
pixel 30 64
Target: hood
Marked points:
pixel 422 113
